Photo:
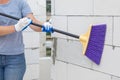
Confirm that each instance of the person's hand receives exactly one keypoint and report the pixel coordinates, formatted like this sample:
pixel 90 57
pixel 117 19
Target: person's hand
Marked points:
pixel 47 27
pixel 22 24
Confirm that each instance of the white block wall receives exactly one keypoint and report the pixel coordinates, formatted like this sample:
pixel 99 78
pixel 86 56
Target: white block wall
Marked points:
pixel 75 16
pixel 45 68
pixel 34 41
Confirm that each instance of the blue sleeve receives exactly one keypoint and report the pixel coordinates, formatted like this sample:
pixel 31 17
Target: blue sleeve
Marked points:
pixel 25 8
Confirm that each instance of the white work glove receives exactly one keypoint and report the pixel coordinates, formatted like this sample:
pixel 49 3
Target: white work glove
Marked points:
pixel 47 27
pixel 22 24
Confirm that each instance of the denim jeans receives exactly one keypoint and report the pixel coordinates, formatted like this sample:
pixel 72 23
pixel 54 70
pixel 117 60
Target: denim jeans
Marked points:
pixel 12 67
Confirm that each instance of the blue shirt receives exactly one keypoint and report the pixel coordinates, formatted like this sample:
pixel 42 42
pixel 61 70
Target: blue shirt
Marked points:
pixel 12 44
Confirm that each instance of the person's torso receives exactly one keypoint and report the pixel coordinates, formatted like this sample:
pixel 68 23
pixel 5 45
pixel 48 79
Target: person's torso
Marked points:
pixel 11 44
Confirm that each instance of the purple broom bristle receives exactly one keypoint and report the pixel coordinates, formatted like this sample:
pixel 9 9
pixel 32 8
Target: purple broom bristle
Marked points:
pixel 96 43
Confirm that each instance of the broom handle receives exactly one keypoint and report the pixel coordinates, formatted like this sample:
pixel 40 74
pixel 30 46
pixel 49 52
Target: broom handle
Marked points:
pixel 35 24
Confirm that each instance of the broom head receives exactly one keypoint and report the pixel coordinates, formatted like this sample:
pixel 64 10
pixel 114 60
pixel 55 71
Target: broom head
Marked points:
pixel 93 42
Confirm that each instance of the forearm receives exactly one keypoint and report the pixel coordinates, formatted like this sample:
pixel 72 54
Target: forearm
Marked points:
pixel 4 30
pixel 46 26
pixel 35 28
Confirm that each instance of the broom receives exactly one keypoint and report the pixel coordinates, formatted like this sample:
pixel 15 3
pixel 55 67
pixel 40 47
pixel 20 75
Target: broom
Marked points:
pixel 92 41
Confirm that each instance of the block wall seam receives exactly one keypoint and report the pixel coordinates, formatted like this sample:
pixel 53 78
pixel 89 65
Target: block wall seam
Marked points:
pixel 88 68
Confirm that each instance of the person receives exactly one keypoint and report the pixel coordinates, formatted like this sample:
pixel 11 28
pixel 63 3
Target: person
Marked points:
pixel 12 59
